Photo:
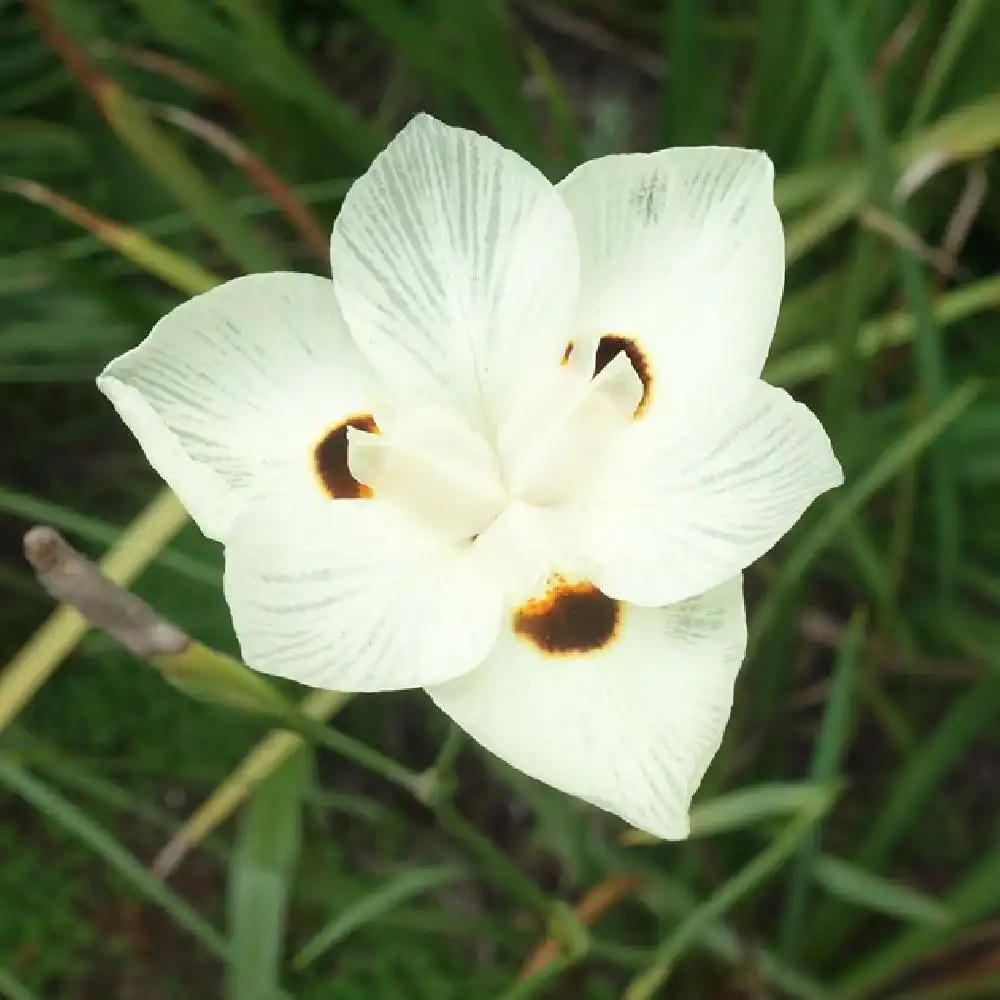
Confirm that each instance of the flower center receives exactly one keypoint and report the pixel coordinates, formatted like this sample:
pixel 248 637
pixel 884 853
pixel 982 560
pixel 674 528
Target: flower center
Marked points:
pixel 552 440
pixel 558 432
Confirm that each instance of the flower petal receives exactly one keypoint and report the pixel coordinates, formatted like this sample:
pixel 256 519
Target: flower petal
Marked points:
pixel 697 492
pixel 682 252
pixel 354 595
pixel 456 265
pixel 630 727
pixel 252 372
pixel 437 466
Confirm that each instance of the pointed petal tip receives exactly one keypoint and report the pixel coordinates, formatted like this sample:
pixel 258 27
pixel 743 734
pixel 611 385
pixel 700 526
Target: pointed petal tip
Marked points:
pixel 674 831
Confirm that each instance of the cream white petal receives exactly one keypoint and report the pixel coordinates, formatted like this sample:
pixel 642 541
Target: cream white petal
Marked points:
pixel 437 466
pixel 456 265
pixel 696 492
pixel 632 727
pixel 683 251
pixel 249 374
pixel 354 595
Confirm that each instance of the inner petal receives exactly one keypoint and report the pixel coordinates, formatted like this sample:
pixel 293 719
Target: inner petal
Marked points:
pixel 561 429
pixel 434 464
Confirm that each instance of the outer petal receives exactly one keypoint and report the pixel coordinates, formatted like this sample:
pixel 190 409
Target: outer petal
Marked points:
pixel 249 373
pixel 631 728
pixel 699 490
pixel 683 251
pixel 354 595
pixel 456 265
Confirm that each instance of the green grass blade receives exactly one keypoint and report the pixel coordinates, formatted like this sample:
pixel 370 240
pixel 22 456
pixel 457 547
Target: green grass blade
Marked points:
pixel 810 229
pixel 859 887
pixel 25 265
pixel 12 988
pixel 983 986
pixel 249 53
pixel 743 808
pixel 749 806
pixel 749 878
pixel 560 111
pixel 969 714
pixel 99 531
pixel 532 985
pixel 684 92
pixel 962 23
pixel 977 896
pixel 857 291
pixel 814 360
pixel 68 772
pixel 260 879
pixel 155 258
pixel 851 499
pixel 774 105
pixel 822 125
pixel 62 812
pixel 371 907
pixel 828 753
pixel 930 360
pixel 668 897
pixel 169 164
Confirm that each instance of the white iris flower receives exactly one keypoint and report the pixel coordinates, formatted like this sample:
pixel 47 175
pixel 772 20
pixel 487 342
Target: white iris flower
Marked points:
pixel 517 452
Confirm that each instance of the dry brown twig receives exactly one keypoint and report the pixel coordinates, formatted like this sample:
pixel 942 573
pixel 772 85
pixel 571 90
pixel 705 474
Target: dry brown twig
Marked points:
pixel 72 579
pixel 260 173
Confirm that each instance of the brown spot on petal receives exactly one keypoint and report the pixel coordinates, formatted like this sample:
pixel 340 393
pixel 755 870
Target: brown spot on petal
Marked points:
pixel 610 346
pixel 569 619
pixel 566 353
pixel 330 459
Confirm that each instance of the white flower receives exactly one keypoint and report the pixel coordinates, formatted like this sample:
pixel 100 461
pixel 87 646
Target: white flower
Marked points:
pixel 517 451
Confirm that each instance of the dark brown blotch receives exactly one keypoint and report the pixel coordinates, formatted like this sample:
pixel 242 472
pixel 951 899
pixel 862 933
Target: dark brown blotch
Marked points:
pixel 330 459
pixel 610 346
pixel 570 619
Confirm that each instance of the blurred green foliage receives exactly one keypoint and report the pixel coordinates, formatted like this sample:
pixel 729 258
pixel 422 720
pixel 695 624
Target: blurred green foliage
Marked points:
pixel 874 653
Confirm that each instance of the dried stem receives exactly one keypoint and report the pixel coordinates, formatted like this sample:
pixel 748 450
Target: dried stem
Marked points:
pixel 260 173
pixel 72 579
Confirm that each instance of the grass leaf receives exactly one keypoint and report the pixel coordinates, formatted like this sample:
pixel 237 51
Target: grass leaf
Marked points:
pixel 260 877
pixel 372 906
pixel 829 750
pixel 61 811
pixel 862 888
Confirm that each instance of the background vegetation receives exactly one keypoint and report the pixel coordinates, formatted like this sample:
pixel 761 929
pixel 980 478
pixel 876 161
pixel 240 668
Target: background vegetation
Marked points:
pixel 846 841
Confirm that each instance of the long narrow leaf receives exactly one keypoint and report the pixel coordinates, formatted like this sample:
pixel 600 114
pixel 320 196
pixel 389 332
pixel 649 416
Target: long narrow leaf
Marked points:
pixel 828 752
pixel 930 359
pixel 854 885
pixel 373 906
pixel 163 158
pixel 269 754
pixel 880 334
pixel 97 530
pixel 12 988
pixel 100 841
pixel 913 788
pixel 749 878
pixel 145 253
pixel 260 880
pixel 853 497
pixel 745 807
pixel 976 896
